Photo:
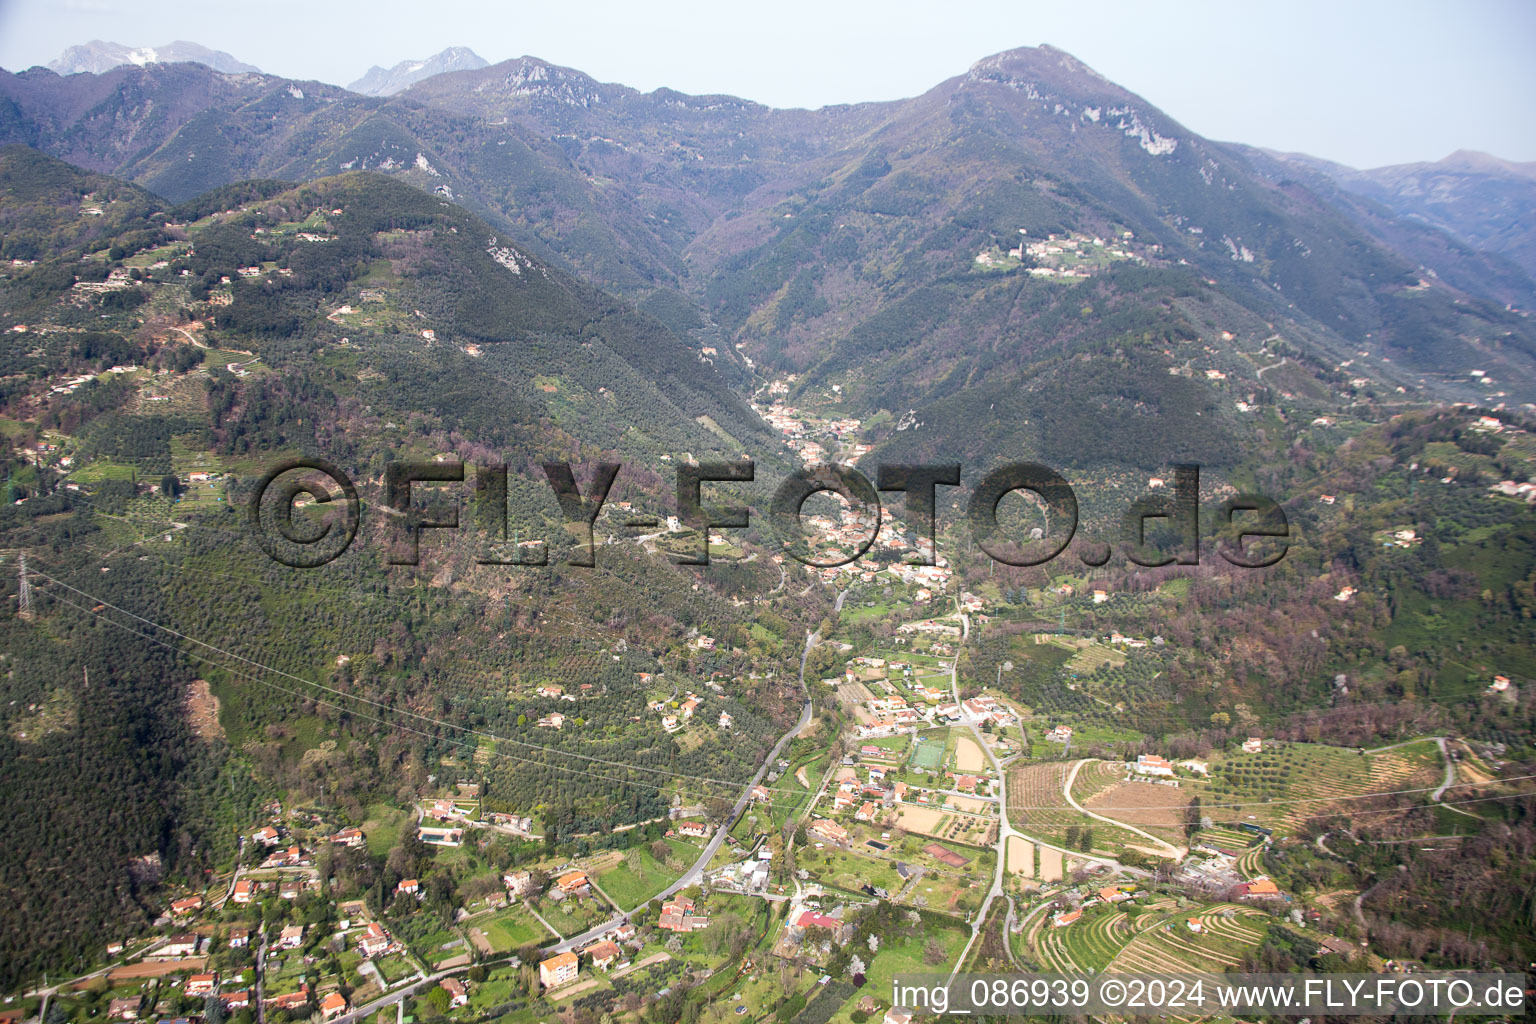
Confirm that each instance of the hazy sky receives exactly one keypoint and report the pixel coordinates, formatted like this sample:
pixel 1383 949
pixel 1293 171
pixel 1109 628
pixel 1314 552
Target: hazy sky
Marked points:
pixel 1364 83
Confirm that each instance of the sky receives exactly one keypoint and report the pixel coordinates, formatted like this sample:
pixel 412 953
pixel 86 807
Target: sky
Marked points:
pixel 1362 82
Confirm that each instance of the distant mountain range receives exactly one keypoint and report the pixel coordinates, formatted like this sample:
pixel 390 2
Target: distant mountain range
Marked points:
pixel 979 243
pixel 1488 203
pixel 97 56
pixel 381 82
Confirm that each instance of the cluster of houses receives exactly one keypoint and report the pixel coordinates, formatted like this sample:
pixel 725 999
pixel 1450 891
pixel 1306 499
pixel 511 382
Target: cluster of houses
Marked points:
pixel 893 715
pixel 1107 894
pixel 688 709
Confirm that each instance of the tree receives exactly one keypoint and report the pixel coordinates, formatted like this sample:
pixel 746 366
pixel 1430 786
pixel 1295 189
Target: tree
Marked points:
pixel 437 998
pixel 170 486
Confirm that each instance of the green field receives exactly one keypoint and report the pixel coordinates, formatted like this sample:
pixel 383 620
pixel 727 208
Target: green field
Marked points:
pixel 510 929
pixel 632 888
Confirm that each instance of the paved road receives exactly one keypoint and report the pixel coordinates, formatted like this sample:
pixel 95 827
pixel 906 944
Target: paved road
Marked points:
pixel 1005 829
pixel 696 873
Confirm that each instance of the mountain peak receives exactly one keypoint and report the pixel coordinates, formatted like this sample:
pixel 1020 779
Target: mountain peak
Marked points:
pixel 388 81
pixel 98 56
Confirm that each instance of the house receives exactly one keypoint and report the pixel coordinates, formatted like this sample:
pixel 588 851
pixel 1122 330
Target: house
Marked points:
pixel 441 836
pixel 236 1000
pixel 375 940
pixel 678 916
pixel 965 783
pixel 688 707
pixel 245 891
pixel 289 888
pixel 624 932
pixel 693 829
pixel 291 937
pixel 550 690
pixel 1113 894
pixel 201 984
pixel 349 837
pixel 1064 918
pixel 603 953
pixel 899 792
pixel 816 919
pixel 1151 764
pixel 573 883
pixel 1499 684
pixel 124 1009
pixel 333 1004
pixel 1060 734
pixel 829 830
pixel 518 882
pixel 725 720
pixel 760 793
pixel 1261 888
pixel 1194 925
pixel 266 836
pixel 180 945
pixel 559 969
pixel 458 995
pixel 898 1015
pixel 408 887
pixel 554 721
pixel 183 907
pixel 239 938
pixel 669 723
pixel 1100 596
pixel 291 1001
pixel 866 812
pixel 1253 745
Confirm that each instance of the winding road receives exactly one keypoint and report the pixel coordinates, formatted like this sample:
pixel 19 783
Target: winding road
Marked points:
pixel 696 873
pixel 1066 791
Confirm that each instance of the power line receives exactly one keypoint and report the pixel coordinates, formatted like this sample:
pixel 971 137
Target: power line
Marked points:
pixel 378 704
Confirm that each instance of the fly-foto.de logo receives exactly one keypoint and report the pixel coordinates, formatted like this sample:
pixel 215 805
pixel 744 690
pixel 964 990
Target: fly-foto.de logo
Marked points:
pixel 1252 530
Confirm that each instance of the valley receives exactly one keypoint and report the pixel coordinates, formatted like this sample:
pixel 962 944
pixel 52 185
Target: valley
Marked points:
pixel 518 752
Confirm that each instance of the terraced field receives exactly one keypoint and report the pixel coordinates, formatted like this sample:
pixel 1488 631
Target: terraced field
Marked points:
pixel 1037 807
pixel 1093 941
pixel 1158 939
pixel 1303 779
pixel 1167 945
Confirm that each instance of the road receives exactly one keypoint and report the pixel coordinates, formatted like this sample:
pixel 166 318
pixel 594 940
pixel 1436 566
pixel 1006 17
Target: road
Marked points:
pixel 1445 756
pixel 1066 791
pixel 1005 830
pixel 696 873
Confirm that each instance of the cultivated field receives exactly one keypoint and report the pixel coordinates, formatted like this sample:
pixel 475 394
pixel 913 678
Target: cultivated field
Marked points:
pixel 1037 806
pixel 968 756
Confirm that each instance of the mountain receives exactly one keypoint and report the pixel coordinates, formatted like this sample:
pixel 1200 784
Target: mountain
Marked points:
pixel 386 82
pixel 97 56
pixel 913 257
pixel 1481 200
pixel 368 322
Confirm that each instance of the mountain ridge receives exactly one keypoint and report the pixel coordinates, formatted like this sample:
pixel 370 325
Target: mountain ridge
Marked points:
pixel 380 81
pixel 98 56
